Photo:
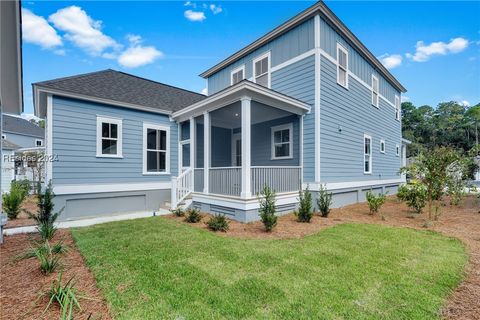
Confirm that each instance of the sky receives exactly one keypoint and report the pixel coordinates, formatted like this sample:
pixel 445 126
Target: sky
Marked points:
pixel 432 48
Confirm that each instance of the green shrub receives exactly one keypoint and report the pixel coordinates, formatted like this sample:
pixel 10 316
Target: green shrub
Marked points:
pixel 23 185
pixel 304 212
pixel 218 223
pixel 65 295
pixel 267 208
pixel 324 201
pixel 193 215
pixel 375 202
pixel 414 194
pixel 12 202
pixel 178 211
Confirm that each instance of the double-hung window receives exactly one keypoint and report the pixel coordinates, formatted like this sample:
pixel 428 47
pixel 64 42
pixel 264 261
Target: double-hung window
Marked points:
pixel 367 154
pixel 342 66
pixel 156 149
pixel 374 91
pixel 38 142
pixel 237 75
pixel 261 70
pixel 282 142
pixel 397 108
pixel 109 137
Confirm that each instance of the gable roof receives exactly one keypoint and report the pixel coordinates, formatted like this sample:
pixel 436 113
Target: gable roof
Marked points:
pixel 22 126
pixel 7 145
pixel 116 86
pixel 318 8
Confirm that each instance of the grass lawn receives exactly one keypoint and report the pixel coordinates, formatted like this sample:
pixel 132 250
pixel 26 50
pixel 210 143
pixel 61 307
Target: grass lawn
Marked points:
pixel 157 268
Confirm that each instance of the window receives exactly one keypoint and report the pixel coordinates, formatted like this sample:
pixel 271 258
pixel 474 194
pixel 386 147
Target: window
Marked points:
pixel 38 142
pixel 367 160
pixel 237 75
pixel 397 150
pixel 109 137
pixel 374 91
pixel 261 70
pixel 282 145
pixel 342 66
pixel 156 149
pixel 397 108
pixel 382 146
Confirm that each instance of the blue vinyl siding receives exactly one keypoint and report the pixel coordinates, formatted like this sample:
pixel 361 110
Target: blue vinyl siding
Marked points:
pixel 74 141
pixel 356 63
pixel 291 44
pixel 21 140
pixel 298 81
pixel 341 153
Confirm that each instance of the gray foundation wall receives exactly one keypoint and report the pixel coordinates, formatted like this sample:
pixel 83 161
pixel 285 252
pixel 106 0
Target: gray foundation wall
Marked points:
pixel 79 206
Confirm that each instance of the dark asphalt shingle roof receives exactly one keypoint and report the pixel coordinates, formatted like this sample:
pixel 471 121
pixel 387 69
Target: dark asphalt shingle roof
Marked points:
pixel 22 126
pixel 123 87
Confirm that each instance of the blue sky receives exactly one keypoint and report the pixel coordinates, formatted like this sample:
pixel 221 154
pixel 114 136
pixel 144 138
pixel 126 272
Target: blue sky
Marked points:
pixel 433 48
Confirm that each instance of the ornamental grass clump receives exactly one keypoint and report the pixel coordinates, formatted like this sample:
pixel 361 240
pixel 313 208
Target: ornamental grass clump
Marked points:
pixel 178 212
pixel 267 208
pixel 218 223
pixel 193 215
pixel 304 212
pixel 65 296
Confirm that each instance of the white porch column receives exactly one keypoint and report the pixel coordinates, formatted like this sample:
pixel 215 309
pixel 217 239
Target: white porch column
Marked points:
pixel 192 147
pixel 246 147
pixel 180 149
pixel 206 150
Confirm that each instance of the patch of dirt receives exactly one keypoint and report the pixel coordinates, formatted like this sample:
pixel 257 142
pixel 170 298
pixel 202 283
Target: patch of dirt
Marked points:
pixel 29 205
pixel 22 284
pixel 462 222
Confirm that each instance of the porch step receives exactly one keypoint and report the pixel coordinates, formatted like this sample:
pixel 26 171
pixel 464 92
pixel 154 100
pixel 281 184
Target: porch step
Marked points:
pixel 186 203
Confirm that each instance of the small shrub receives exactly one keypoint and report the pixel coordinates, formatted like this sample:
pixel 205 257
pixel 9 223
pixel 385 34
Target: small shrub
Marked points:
pixel 23 185
pixel 193 215
pixel 324 201
pixel 304 212
pixel 12 202
pixel 65 295
pixel 267 208
pixel 49 261
pixel 375 202
pixel 218 223
pixel 414 194
pixel 178 211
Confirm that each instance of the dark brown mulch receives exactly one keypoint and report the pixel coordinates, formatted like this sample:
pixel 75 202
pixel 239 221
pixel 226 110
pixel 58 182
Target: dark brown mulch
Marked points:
pixel 462 222
pixel 22 284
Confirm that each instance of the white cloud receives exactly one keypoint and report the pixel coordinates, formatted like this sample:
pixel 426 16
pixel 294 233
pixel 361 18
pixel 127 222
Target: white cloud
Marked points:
pixel 137 55
pixel 424 52
pixel 391 61
pixel 404 98
pixel 35 29
pixel 196 16
pixel 82 30
pixel 464 103
pixel 215 9
pixel 204 91
pixel 190 4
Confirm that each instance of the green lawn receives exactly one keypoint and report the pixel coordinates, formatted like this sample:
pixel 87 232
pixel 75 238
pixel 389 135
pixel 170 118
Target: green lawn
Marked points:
pixel 156 268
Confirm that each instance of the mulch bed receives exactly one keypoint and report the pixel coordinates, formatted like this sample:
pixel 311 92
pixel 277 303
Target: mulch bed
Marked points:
pixel 23 220
pixel 462 222
pixel 22 284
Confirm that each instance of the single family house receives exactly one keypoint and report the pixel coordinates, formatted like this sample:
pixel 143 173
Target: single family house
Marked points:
pixel 307 104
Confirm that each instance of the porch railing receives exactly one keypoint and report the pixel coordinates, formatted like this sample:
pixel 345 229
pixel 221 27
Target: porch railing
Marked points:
pixel 182 186
pixel 225 180
pixel 280 179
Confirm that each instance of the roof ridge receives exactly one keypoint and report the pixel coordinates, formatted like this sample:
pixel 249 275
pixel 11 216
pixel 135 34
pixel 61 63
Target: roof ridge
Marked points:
pixel 74 76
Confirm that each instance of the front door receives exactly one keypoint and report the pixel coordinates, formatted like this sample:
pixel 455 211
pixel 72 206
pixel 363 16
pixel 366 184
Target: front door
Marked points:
pixel 237 150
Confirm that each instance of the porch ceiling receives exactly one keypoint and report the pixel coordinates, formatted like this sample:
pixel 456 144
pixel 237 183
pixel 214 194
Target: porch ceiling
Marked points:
pixel 235 93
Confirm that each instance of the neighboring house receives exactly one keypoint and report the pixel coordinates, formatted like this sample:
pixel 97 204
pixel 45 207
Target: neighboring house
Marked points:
pixel 305 105
pixel 22 132
pixel 8 165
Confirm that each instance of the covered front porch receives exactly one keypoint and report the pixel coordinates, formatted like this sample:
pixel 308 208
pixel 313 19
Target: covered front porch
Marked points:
pixel 236 142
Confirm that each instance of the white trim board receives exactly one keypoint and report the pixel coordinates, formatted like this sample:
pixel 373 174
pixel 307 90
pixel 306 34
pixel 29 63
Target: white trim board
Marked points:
pixel 49 138
pixel 111 187
pixel 331 186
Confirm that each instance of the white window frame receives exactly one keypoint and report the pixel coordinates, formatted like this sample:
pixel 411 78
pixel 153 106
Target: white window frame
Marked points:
pixel 382 142
pixel 375 91
pixel 397 150
pixel 144 148
pixel 269 72
pixel 343 49
pixel 397 108
pixel 366 136
pixel 41 143
pixel 236 70
pixel 118 122
pixel 286 126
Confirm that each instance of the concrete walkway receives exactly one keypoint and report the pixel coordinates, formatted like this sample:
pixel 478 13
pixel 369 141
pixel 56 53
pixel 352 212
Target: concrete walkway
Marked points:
pixel 88 222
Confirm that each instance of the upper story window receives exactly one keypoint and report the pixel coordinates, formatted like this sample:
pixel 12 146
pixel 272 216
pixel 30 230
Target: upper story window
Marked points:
pixel 261 70
pixel 38 142
pixel 397 108
pixel 155 149
pixel 367 160
pixel 237 75
pixel 109 137
pixel 342 66
pixel 382 146
pixel 282 144
pixel 374 91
